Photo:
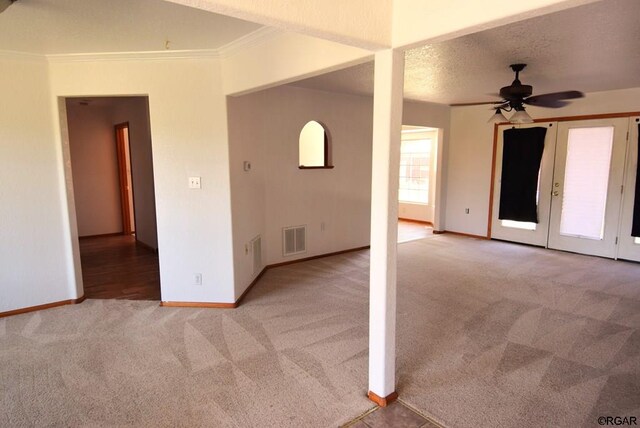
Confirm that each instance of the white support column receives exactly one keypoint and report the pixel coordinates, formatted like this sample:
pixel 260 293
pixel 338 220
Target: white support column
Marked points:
pixel 387 126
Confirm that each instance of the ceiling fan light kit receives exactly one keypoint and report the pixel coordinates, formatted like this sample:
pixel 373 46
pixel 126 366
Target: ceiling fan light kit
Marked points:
pixel 498 117
pixel 521 116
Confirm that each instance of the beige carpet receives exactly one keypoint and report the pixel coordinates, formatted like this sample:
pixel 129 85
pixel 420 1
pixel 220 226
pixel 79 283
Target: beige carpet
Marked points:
pixel 490 335
pixel 294 355
pixel 493 334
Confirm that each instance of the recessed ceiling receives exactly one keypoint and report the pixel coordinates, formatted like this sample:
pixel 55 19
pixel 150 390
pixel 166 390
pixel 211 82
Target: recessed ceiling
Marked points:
pixel 96 26
pixel 588 48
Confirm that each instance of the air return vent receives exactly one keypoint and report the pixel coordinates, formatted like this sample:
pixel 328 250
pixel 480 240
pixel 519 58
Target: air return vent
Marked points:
pixel 256 249
pixel 294 240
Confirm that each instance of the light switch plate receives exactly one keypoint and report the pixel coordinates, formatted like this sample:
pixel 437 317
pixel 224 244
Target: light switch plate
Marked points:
pixel 194 183
pixel 246 165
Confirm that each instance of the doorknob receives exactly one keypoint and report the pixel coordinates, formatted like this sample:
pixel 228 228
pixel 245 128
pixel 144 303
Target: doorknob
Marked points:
pixel 556 185
pixel 555 193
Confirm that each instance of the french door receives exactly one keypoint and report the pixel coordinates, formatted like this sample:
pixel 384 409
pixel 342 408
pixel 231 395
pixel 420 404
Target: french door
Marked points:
pixel 525 232
pixel 586 189
pixel 587 186
pixel 629 246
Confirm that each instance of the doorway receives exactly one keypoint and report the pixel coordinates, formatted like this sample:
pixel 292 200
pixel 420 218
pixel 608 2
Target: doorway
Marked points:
pixel 581 193
pixel 114 197
pixel 418 181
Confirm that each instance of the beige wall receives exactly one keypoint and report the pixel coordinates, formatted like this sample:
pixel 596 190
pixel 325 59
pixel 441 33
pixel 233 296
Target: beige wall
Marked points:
pixel 471 147
pixel 264 128
pixel 188 123
pixel 34 242
pixel 94 162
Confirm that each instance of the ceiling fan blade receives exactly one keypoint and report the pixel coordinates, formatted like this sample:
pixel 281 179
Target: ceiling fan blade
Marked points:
pixel 553 100
pixel 476 104
pixel 548 103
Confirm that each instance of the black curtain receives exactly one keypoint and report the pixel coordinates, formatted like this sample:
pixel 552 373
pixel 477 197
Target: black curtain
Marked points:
pixel 521 157
pixel 635 228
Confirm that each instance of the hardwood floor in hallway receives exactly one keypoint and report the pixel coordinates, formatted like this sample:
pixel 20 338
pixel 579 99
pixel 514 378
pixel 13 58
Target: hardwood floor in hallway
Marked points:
pixel 115 267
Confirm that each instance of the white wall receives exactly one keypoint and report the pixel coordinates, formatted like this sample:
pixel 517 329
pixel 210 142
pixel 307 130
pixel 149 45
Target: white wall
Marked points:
pixel 264 128
pixel 434 116
pixel 94 162
pixel 136 112
pixel 34 240
pixel 339 197
pixel 247 142
pixel 470 153
pixel 188 123
pixel 305 57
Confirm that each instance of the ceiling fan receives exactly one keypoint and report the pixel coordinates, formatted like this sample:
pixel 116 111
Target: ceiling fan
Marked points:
pixel 515 96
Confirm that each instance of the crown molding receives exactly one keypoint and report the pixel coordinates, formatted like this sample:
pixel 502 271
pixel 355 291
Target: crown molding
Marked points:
pixel 254 38
pixel 136 56
pixel 23 56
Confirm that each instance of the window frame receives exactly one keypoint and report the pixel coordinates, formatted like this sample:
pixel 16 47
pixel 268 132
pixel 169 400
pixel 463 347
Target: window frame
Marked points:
pixel 428 178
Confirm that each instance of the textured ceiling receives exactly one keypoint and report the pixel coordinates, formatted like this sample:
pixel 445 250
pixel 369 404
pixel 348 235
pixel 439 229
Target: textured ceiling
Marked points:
pixel 95 26
pixel 588 48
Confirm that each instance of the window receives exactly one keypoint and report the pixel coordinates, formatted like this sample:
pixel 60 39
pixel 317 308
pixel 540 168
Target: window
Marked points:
pixel 314 147
pixel 586 181
pixel 415 162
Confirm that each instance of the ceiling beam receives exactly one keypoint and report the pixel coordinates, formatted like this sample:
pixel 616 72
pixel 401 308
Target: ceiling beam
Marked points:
pixel 363 24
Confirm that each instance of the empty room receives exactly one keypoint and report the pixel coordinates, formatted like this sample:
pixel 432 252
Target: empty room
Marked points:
pixel 423 215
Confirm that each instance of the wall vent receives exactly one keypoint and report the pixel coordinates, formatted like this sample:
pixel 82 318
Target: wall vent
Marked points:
pixel 256 249
pixel 294 240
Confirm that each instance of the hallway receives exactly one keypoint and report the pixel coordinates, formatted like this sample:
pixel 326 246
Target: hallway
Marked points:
pixel 116 267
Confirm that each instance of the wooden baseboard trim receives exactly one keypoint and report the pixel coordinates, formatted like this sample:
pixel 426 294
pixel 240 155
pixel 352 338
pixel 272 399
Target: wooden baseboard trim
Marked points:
pixel 438 232
pixel 254 282
pixel 468 235
pixel 320 256
pixel 104 235
pixel 306 259
pixel 42 307
pixel 428 223
pixel 383 402
pixel 199 305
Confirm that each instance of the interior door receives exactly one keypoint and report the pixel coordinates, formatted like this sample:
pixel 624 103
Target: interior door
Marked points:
pixel 629 246
pixel 524 232
pixel 587 186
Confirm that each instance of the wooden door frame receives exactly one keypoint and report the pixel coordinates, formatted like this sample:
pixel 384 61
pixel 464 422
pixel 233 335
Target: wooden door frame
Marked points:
pixel 548 119
pixel 122 174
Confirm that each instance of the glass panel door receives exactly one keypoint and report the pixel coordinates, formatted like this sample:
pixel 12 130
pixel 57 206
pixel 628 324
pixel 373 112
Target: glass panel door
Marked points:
pixel 629 246
pixel 586 192
pixel 519 231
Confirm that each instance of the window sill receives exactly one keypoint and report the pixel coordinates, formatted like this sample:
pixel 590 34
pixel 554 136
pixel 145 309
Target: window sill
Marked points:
pixel 414 203
pixel 316 167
